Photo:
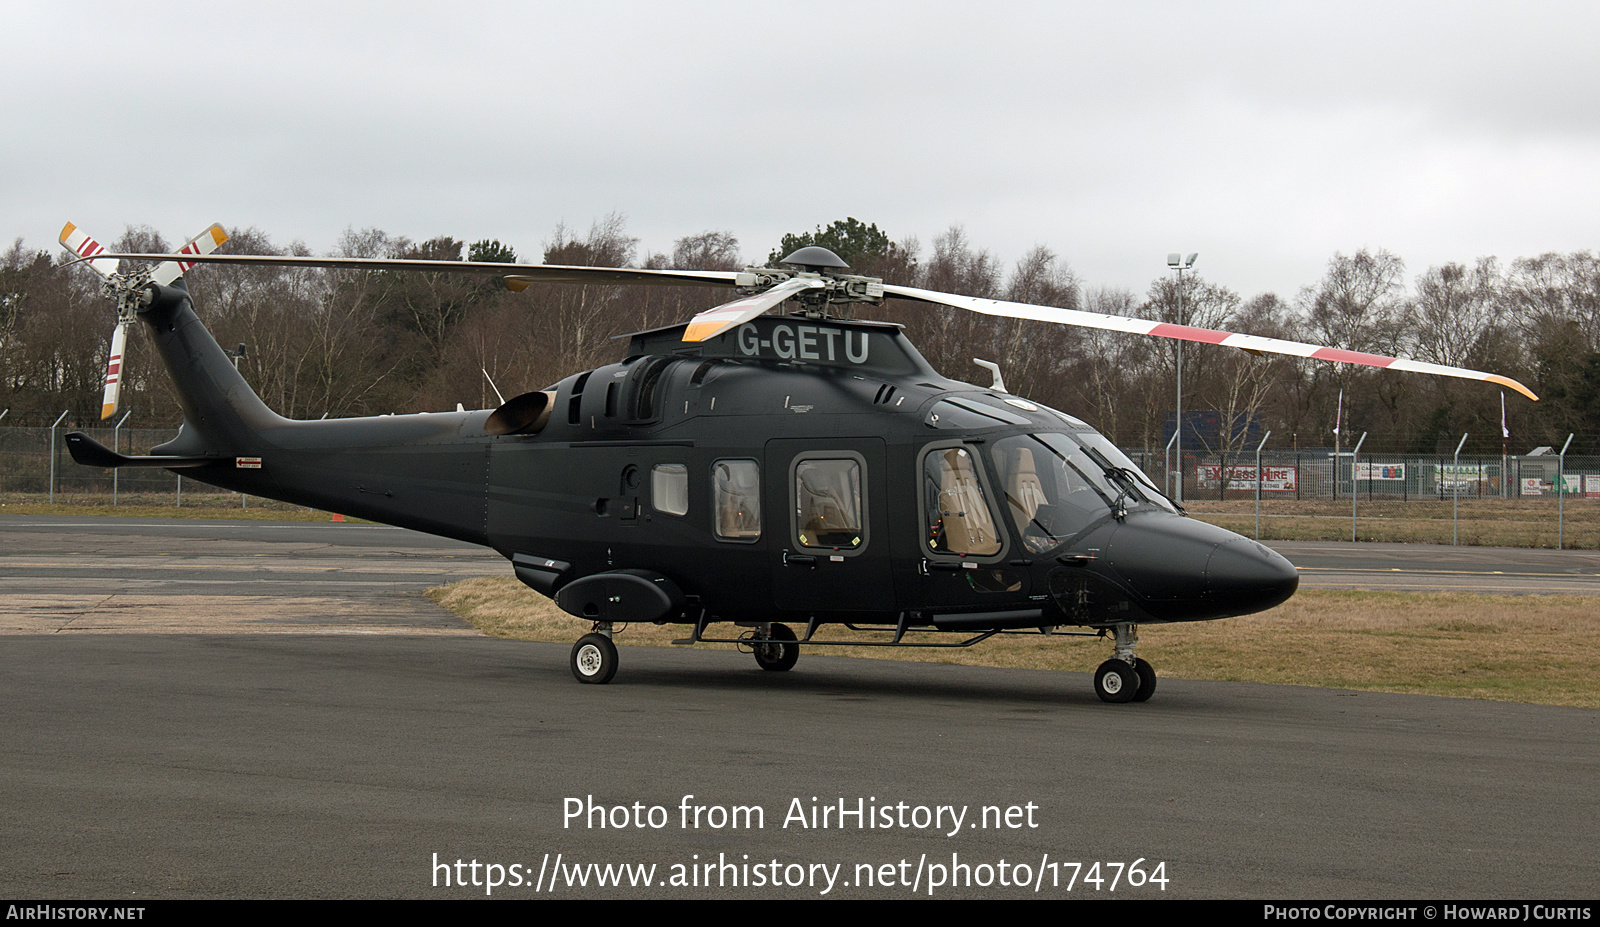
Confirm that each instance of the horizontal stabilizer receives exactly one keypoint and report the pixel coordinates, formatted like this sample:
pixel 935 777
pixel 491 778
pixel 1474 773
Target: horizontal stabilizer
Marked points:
pixel 91 453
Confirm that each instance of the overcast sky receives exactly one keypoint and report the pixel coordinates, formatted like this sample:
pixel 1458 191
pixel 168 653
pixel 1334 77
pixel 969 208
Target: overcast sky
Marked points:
pixel 1264 136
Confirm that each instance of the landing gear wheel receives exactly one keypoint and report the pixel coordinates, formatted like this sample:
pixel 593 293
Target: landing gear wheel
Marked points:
pixel 775 656
pixel 1116 682
pixel 594 659
pixel 1147 680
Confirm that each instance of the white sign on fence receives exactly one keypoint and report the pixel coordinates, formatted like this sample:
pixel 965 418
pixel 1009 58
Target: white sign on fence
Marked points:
pixel 1380 471
pixel 1243 479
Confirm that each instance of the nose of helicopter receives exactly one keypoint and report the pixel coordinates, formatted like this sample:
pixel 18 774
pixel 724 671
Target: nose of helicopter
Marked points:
pixel 1187 570
pixel 1244 576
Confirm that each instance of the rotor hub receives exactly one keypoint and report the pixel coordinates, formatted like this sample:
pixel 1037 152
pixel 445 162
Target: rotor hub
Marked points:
pixel 131 289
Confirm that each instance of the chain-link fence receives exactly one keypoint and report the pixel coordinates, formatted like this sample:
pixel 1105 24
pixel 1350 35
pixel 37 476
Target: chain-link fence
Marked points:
pixel 1320 474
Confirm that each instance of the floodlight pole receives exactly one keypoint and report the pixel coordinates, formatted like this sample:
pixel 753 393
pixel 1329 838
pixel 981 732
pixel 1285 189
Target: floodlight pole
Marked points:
pixel 1179 263
pixel 1355 453
pixel 1258 480
pixel 1455 483
pixel 1561 492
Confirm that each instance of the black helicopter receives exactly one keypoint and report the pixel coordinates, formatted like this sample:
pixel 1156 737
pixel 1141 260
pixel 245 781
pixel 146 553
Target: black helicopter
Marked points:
pixel 745 469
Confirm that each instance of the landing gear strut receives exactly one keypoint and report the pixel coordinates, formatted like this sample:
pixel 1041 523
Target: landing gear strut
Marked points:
pixel 1125 677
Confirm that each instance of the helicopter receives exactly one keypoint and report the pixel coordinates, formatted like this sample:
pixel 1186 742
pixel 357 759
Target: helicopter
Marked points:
pixel 768 472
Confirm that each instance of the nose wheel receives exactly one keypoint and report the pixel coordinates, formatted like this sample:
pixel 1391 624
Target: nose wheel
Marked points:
pixel 1125 677
pixel 594 659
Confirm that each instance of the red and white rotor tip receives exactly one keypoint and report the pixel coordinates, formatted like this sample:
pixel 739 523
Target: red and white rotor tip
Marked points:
pixel 78 242
pixel 119 343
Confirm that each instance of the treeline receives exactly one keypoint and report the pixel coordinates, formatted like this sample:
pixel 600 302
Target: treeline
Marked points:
pixel 340 343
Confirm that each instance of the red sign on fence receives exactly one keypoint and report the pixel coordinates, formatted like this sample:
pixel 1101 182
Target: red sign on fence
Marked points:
pixel 1243 479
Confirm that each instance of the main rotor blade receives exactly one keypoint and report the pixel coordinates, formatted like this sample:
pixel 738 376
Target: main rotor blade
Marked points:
pixel 518 276
pixel 1119 323
pixel 713 322
pixel 78 242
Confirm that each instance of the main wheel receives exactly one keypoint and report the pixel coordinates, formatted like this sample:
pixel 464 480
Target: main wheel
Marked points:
pixel 594 659
pixel 1116 681
pixel 773 655
pixel 1147 680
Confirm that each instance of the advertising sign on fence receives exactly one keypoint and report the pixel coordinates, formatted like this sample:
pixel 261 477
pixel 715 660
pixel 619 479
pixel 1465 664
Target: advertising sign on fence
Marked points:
pixel 1380 471
pixel 1243 479
pixel 1531 486
pixel 1458 477
pixel 1591 487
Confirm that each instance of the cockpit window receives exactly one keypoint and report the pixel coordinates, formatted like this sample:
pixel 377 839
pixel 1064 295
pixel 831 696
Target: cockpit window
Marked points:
pixel 1052 489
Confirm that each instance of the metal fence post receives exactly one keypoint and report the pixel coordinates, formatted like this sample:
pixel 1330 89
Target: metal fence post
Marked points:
pixel 116 447
pixel 1455 485
pixel 1169 462
pixel 1561 492
pixel 1258 480
pixel 53 456
pixel 1354 494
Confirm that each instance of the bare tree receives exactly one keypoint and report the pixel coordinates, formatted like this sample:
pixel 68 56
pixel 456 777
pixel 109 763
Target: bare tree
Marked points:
pixel 1455 308
pixel 707 251
pixel 1034 354
pixel 1359 304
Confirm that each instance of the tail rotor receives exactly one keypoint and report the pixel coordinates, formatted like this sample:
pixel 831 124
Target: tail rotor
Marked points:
pixel 131 290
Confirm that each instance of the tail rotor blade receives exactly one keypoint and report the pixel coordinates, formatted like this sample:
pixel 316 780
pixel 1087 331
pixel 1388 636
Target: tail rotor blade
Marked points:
pixel 119 343
pixel 203 243
pixel 78 242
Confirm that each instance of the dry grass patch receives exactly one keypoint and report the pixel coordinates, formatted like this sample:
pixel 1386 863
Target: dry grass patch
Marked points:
pixel 1483 522
pixel 1541 649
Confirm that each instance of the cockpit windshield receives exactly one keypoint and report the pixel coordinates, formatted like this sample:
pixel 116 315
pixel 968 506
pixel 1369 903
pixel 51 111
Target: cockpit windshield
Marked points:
pixel 1057 487
pixel 1121 470
pixel 1051 488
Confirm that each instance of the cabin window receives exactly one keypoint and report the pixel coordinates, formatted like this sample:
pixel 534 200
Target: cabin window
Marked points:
pixel 958 515
pixel 669 488
pixel 736 499
pixel 828 504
